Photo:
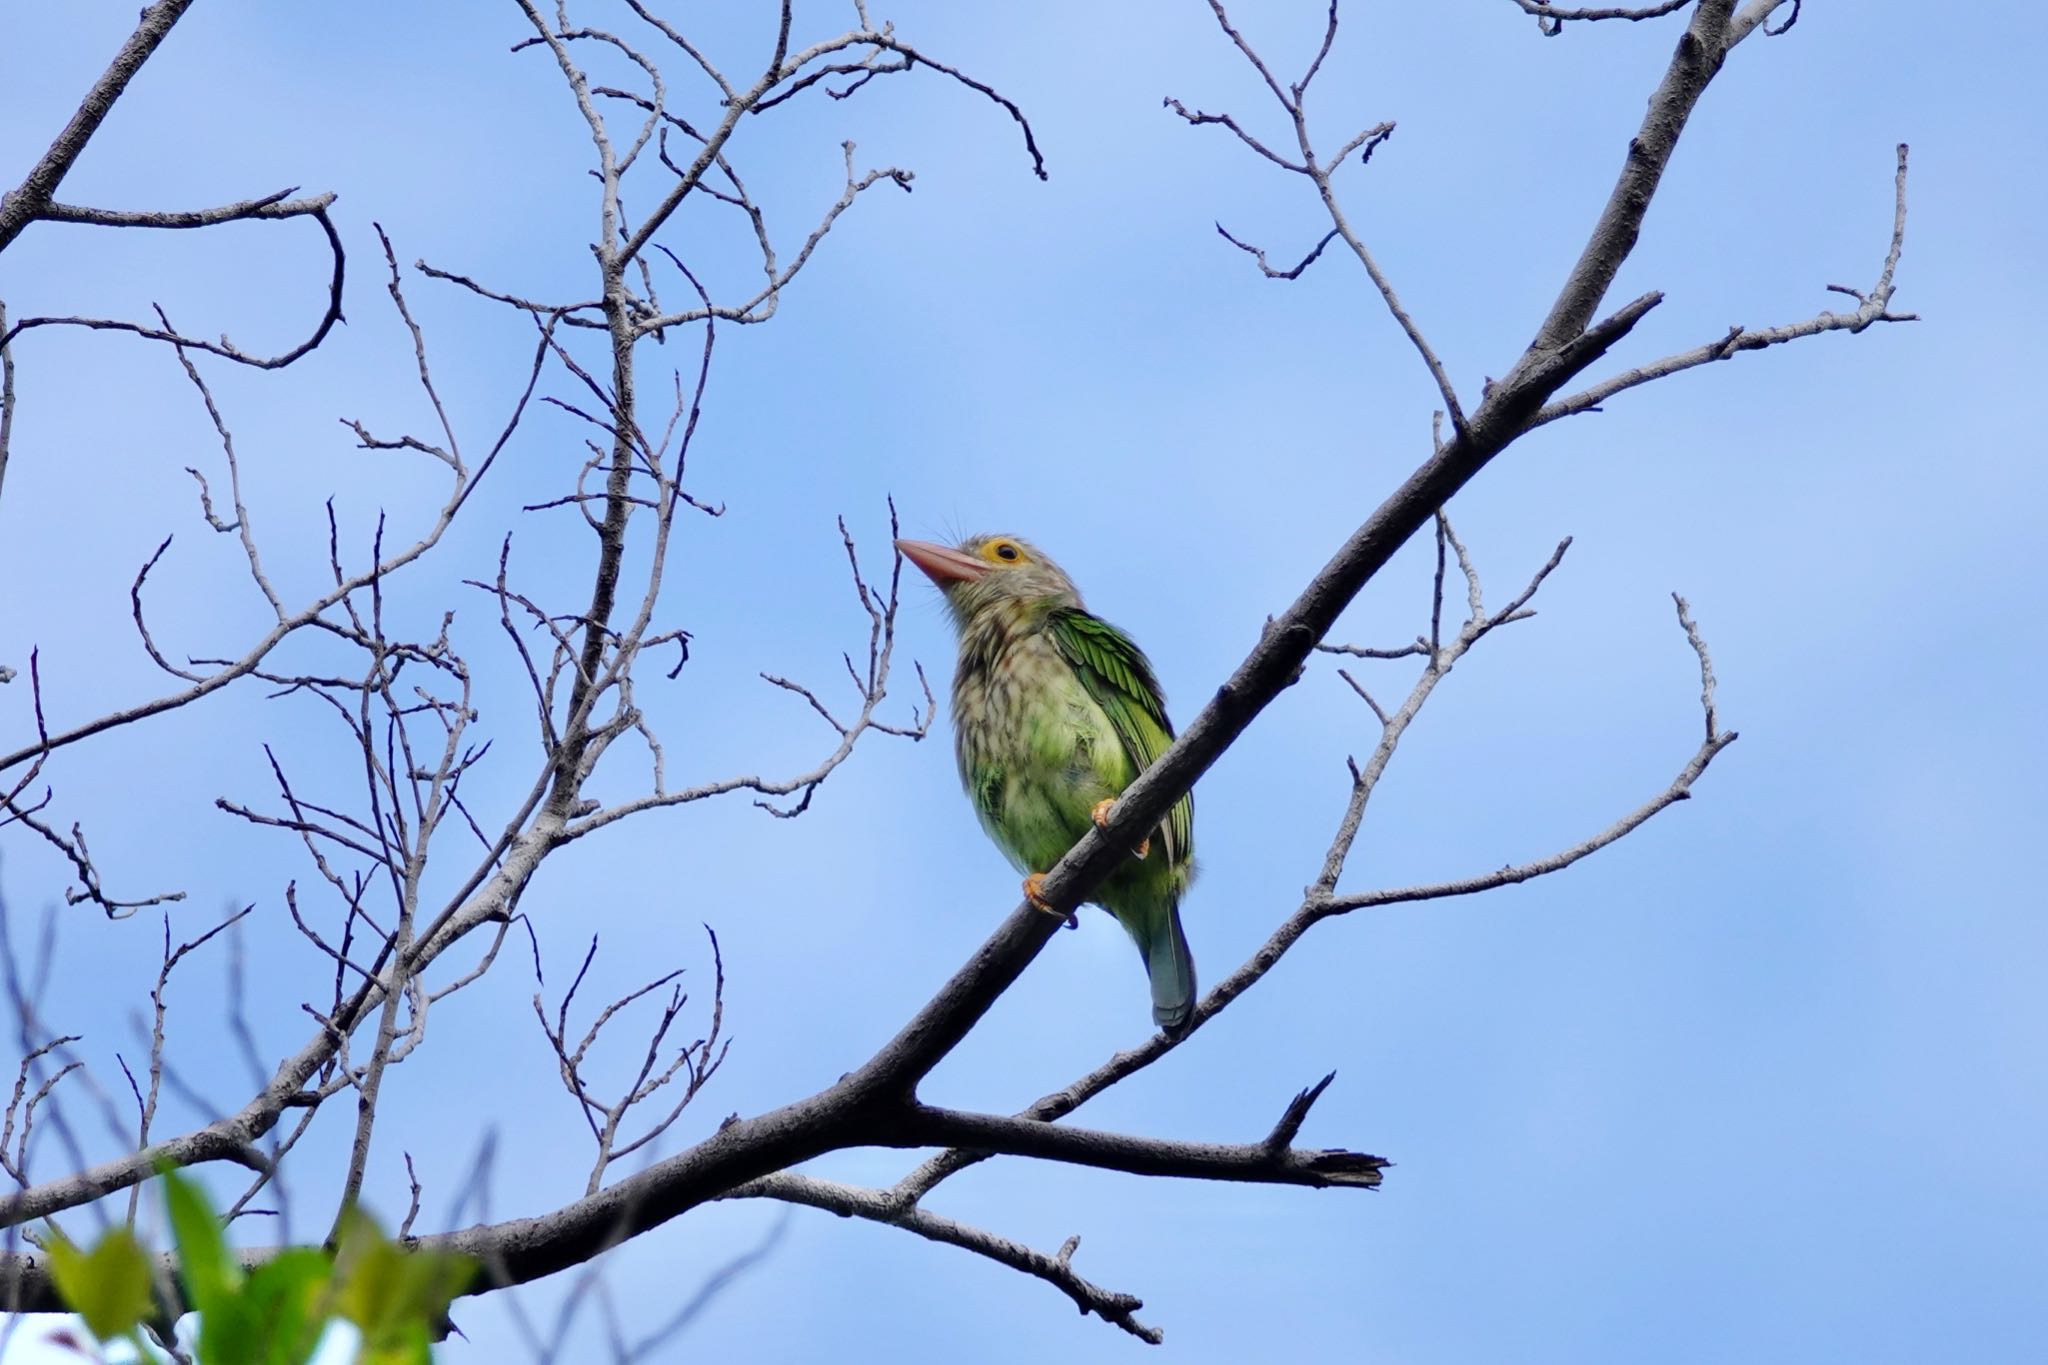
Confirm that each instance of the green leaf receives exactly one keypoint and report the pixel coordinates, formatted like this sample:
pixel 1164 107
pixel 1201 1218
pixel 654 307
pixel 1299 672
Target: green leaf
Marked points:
pixel 435 1278
pixel 230 1333
pixel 405 1343
pixel 369 1276
pixel 273 1317
pixel 394 1297
pixel 108 1286
pixel 205 1265
pixel 227 1334
pixel 283 1301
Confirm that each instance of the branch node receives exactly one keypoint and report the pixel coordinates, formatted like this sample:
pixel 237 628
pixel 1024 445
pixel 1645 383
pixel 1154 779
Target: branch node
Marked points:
pixel 1284 1132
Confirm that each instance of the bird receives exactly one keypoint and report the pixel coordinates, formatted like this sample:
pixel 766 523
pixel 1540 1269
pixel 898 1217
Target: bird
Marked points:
pixel 1055 712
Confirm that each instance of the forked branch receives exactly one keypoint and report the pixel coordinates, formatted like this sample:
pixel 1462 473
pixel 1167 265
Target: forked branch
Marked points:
pixel 582 674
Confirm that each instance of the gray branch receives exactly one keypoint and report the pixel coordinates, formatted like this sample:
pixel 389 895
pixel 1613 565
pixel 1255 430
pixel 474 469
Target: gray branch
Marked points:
pixel 877 1103
pixel 880 1206
pixel 30 199
pixel 1872 306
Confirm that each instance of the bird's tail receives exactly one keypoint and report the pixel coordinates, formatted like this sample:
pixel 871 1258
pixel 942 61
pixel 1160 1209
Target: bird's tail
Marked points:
pixel 1172 969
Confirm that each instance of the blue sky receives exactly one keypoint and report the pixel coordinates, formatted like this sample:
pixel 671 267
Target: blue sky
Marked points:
pixel 1764 1081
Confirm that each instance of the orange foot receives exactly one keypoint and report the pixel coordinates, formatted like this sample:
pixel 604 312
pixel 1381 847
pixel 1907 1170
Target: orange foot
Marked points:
pixel 1100 815
pixel 1038 901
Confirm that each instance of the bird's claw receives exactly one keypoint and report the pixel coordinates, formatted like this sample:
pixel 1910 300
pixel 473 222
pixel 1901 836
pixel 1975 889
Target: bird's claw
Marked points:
pixel 1100 815
pixel 1038 902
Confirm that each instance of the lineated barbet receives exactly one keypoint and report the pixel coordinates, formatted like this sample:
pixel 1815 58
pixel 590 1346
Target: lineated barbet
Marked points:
pixel 1055 712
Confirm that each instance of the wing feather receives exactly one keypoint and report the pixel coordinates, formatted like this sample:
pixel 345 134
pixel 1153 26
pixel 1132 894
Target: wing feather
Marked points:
pixel 1119 677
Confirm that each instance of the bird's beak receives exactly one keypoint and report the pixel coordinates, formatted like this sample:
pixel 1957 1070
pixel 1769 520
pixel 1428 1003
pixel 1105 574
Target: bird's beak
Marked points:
pixel 942 564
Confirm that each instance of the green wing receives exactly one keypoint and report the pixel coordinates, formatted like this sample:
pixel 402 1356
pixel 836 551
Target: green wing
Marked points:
pixel 1119 677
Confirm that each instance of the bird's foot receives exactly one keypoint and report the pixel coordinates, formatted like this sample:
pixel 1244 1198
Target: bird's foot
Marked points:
pixel 1038 901
pixel 1100 815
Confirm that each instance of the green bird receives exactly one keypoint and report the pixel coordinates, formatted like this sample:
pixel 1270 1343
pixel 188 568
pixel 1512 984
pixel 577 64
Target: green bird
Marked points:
pixel 1055 712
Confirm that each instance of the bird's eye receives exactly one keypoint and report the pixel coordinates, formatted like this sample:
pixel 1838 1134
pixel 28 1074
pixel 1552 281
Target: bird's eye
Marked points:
pixel 1006 551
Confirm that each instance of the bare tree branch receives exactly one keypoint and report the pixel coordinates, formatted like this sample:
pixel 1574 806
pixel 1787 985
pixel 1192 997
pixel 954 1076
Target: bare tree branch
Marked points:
pixel 250 210
pixel 313 613
pixel 1320 901
pixel 852 1201
pixel 696 1061
pixel 389 906
pixel 6 412
pixel 1552 20
pixel 1871 307
pixel 30 199
pixel 1292 101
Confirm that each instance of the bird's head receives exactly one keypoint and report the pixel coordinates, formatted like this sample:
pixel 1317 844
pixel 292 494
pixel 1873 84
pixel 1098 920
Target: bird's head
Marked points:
pixel 984 573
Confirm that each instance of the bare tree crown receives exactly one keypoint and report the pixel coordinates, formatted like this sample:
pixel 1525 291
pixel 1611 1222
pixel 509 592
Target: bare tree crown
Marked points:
pixel 415 868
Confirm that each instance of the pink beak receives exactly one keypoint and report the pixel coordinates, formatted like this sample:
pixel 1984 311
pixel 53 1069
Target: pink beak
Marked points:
pixel 943 565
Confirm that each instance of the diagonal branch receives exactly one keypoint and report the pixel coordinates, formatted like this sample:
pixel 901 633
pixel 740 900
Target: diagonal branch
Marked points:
pixel 1872 307
pixel 29 200
pixel 877 1103
pixel 880 1206
pixel 1320 901
pixel 1694 64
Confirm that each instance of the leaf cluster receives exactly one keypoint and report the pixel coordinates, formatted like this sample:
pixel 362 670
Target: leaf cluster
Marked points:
pixel 273 1313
